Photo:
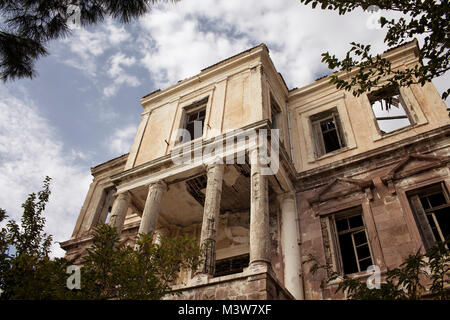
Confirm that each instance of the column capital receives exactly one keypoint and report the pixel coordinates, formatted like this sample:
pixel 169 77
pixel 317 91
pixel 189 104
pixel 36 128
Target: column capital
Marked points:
pixel 212 166
pixel 288 196
pixel 122 195
pixel 157 185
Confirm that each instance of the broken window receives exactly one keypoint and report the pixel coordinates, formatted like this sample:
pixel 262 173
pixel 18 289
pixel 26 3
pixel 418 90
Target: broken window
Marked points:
pixel 276 116
pixel 354 254
pixel 327 130
pixel 231 265
pixel 389 110
pixel 431 207
pixel 195 120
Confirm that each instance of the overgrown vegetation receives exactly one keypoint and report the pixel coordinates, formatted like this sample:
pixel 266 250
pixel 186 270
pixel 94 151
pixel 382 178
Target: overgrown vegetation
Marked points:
pixel 110 270
pixel 419 276
pixel 427 18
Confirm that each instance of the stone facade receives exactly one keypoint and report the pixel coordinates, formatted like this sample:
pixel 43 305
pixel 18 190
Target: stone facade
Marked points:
pixel 340 175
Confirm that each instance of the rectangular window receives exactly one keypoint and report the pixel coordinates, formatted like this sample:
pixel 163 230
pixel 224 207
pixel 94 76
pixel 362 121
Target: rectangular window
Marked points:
pixel 327 130
pixel 431 208
pixel 354 254
pixel 194 120
pixel 231 265
pixel 389 109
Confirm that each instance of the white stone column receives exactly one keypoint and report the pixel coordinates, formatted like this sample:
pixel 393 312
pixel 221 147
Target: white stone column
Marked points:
pixel 119 211
pixel 289 245
pixel 152 207
pixel 210 218
pixel 259 214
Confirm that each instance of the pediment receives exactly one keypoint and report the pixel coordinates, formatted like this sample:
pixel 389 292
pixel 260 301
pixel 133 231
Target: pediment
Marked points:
pixel 412 164
pixel 340 187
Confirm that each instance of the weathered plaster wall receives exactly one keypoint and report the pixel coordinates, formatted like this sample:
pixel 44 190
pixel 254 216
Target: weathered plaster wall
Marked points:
pixel 358 122
pixel 235 100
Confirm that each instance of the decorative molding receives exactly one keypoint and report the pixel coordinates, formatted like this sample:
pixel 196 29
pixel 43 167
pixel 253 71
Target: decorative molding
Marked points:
pixel 395 173
pixel 361 185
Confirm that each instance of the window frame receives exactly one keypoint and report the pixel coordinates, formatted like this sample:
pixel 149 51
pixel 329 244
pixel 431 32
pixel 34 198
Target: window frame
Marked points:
pixel 420 214
pixel 194 107
pixel 406 108
pixel 349 213
pixel 230 260
pixel 318 134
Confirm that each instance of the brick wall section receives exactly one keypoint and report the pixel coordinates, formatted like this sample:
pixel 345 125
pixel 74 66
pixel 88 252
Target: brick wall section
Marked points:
pixel 242 286
pixel 394 233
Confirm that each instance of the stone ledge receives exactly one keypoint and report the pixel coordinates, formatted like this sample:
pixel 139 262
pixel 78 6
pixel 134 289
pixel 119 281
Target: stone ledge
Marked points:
pixel 253 283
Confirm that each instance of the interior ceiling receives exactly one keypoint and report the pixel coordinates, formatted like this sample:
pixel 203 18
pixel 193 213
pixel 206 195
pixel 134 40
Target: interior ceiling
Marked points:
pixel 235 188
pixel 182 204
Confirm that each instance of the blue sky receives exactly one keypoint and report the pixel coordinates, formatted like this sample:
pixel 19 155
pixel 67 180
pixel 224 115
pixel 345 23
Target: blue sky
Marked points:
pixel 83 108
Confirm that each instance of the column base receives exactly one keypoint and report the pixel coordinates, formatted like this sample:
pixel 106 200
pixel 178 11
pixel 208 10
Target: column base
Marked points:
pixel 259 266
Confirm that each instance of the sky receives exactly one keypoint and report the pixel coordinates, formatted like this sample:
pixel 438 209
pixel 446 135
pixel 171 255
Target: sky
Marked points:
pixel 83 108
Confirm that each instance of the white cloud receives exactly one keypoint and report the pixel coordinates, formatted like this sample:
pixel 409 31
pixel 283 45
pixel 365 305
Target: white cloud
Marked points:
pixel 121 141
pixel 87 46
pixel 116 34
pixel 118 74
pixel 30 149
pixel 179 40
pixel 84 46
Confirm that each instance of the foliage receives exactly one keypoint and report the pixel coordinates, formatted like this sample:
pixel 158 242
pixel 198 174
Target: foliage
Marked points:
pixel 116 271
pixel 28 26
pixel 110 270
pixel 409 281
pixel 419 17
pixel 26 270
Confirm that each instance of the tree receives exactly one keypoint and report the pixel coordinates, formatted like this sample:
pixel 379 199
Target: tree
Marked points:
pixel 419 17
pixel 26 270
pixel 110 270
pixel 409 281
pixel 28 26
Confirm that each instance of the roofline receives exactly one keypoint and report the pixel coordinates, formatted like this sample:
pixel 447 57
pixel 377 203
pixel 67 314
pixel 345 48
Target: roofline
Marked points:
pixel 203 73
pixel 390 54
pixel 99 167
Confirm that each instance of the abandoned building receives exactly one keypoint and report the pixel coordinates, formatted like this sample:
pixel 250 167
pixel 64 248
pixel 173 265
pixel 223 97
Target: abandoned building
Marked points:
pixel 360 181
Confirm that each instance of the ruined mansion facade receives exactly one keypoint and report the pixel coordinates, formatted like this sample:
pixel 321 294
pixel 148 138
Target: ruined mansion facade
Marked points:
pixel 358 181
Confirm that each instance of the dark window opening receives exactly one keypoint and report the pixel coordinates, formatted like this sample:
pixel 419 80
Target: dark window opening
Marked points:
pixel 194 120
pixel 354 247
pixel 194 124
pixel 389 110
pixel 231 265
pixel 431 208
pixel 108 215
pixel 276 116
pixel 103 212
pixel 328 134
